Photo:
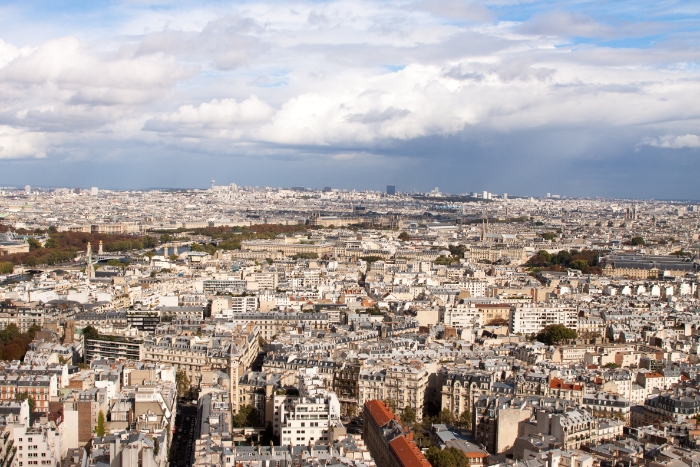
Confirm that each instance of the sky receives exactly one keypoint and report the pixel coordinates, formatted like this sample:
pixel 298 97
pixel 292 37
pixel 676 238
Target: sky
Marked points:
pixel 578 98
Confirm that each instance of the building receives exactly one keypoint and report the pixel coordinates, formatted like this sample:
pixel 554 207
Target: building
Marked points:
pixel 386 440
pixel 114 347
pixel 300 421
pixel 530 319
pixel 390 189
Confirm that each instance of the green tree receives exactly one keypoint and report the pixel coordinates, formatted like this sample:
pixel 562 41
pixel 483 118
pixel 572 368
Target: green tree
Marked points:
pixel 548 235
pixel 174 257
pixel 90 333
pixel 100 431
pixel 555 333
pixel 156 446
pixel 22 396
pixel 408 416
pixel 33 329
pixel 404 237
pixel 611 365
pixel 33 244
pixel 149 242
pixel 6 267
pixel 465 419
pixel 52 243
pixel 391 403
pixel 246 416
pixel 419 435
pixel 579 264
pixel 637 241
pixel 450 457
pixel 182 382
pixel 447 417
pixel 10 333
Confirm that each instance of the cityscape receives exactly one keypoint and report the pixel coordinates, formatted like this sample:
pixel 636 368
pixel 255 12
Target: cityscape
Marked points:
pixel 255 326
pixel 349 233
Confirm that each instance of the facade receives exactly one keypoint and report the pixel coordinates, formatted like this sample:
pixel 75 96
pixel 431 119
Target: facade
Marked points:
pixel 530 319
pixel 300 421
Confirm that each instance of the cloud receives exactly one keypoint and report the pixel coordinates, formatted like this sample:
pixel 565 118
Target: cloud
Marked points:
pixel 18 144
pixel 221 114
pixel 324 80
pixel 674 142
pixel 565 24
pixel 456 9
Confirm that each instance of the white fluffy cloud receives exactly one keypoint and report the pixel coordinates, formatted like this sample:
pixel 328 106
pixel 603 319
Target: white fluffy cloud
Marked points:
pixel 341 73
pixel 674 142
pixel 18 144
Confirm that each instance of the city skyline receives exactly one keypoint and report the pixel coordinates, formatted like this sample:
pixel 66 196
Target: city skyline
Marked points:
pixel 583 99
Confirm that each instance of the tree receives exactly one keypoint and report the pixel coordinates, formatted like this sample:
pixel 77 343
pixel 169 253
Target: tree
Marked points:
pixel 22 396
pixel 450 457
pixel 100 431
pixel 246 416
pixel 90 333
pixel 33 329
pixel 149 242
pixel 6 267
pixel 173 257
pixel 446 417
pixel 498 322
pixel 52 243
pixel 549 235
pixel 404 237
pixel 579 264
pixel 637 241
pixel 419 435
pixel 408 416
pixel 33 244
pixel 465 419
pixel 612 365
pixel 183 382
pixel 156 446
pixel 555 333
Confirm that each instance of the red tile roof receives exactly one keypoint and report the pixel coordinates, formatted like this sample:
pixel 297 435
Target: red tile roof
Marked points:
pixel 407 453
pixel 557 383
pixel 379 411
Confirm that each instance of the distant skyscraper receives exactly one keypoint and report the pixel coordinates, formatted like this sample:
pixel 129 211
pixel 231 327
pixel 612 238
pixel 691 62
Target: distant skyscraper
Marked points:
pixel 27 189
pixel 390 189
pixel 327 189
pixel 505 195
pixel 94 191
pixel 485 195
pixel 549 195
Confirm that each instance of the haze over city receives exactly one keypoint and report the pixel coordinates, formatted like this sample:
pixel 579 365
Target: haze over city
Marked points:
pixel 586 98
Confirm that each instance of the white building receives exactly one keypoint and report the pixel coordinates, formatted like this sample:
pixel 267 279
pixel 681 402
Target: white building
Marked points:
pixel 300 421
pixel 530 319
pixel 463 316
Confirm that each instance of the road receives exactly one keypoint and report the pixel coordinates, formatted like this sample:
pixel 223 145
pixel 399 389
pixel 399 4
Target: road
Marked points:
pixel 183 439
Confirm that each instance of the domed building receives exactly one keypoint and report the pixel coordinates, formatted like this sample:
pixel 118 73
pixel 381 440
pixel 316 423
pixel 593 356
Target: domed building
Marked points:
pixel 9 246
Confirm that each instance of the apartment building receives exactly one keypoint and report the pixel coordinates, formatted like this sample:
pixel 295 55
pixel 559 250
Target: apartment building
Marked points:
pixel 460 388
pixel 302 421
pixel 407 386
pixel 530 319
